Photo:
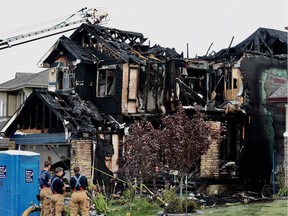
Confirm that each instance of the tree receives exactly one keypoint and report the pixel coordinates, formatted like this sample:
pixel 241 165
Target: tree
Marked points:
pixel 141 149
pixel 185 141
pixel 178 144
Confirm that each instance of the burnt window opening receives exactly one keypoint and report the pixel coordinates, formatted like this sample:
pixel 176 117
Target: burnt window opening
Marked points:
pixel 105 82
pixel 196 80
pixel 232 82
pixel 86 41
pixel 231 147
pixel 155 75
pixel 94 41
pixel 65 79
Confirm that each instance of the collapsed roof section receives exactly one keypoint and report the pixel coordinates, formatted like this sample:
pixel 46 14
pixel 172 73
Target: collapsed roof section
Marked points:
pixel 262 41
pixel 89 41
pixel 49 112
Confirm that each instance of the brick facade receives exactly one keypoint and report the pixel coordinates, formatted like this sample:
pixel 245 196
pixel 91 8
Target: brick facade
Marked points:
pixel 6 144
pixel 210 161
pixel 81 156
pixel 12 145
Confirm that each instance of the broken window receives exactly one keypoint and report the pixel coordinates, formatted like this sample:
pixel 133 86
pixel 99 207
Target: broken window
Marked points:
pixel 105 83
pixel 231 81
pixel 196 80
pixel 65 78
pixel 234 84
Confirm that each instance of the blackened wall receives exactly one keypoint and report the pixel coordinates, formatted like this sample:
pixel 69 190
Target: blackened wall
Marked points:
pixel 111 104
pixel 85 76
pixel 258 152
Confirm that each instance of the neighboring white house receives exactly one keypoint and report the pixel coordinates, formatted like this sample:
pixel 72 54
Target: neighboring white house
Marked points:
pixel 14 92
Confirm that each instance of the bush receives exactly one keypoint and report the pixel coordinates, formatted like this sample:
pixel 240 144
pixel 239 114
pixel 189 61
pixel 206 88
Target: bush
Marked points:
pixel 129 193
pixel 283 189
pixel 177 204
pixel 100 203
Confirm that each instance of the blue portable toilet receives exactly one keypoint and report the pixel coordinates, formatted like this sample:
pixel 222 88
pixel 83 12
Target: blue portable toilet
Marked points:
pixel 18 181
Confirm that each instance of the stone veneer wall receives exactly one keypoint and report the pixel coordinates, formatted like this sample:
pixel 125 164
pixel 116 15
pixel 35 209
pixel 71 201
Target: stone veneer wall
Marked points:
pixel 285 135
pixel 285 164
pixel 7 144
pixel 81 156
pixel 12 145
pixel 210 161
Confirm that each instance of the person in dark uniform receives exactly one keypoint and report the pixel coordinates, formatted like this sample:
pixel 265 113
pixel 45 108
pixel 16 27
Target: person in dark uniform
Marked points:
pixel 45 192
pixel 79 198
pixel 58 188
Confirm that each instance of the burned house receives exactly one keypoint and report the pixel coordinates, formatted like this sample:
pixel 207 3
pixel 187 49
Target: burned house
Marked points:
pixel 103 79
pixel 240 80
pixel 100 80
pixel 63 129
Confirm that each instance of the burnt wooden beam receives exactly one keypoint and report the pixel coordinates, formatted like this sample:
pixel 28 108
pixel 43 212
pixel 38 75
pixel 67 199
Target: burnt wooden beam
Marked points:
pixel 36 115
pixel 43 116
pixel 50 119
pixel 147 85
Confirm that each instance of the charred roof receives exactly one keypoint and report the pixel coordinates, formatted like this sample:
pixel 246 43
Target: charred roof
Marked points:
pixel 89 43
pixel 263 41
pixel 51 112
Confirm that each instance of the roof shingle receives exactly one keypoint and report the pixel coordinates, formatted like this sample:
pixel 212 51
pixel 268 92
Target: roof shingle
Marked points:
pixel 36 80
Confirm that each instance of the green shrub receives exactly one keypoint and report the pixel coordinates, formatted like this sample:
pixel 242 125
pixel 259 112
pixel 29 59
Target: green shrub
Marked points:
pixel 191 205
pixel 129 193
pixel 66 211
pixel 283 189
pixel 100 203
pixel 177 204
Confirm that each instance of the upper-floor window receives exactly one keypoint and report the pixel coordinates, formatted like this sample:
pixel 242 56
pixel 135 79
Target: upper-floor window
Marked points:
pixel 105 82
pixel 65 78
pixel 20 98
pixel 2 108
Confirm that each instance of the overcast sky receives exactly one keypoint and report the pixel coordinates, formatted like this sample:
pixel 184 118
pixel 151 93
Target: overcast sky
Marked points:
pixel 169 23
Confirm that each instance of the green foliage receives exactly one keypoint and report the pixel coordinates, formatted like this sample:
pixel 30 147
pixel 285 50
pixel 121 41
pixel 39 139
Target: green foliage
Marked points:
pixel 177 204
pixel 283 189
pixel 139 205
pixel 100 203
pixel 189 204
pixel 129 194
pixel 66 211
pixel 142 203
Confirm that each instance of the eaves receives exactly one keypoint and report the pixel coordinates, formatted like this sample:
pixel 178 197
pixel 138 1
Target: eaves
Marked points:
pixel 20 88
pixel 278 100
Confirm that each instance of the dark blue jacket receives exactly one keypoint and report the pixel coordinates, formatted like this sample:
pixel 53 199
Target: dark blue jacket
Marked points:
pixel 82 181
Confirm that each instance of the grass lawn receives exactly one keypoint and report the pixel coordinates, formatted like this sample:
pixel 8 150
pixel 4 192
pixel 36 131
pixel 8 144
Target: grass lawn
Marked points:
pixel 139 207
pixel 135 212
pixel 274 208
